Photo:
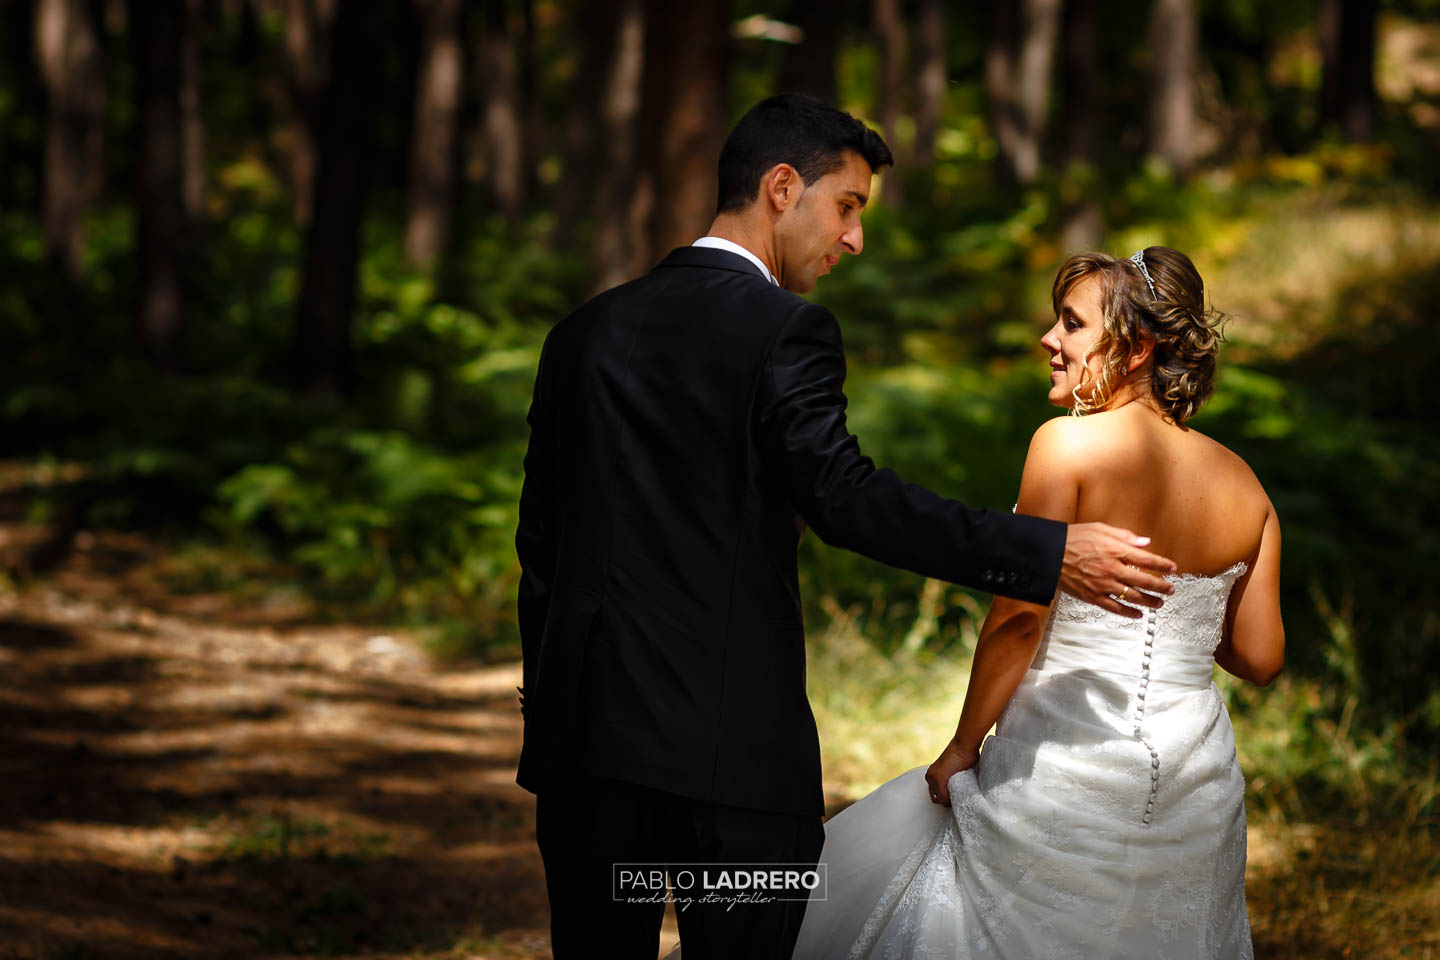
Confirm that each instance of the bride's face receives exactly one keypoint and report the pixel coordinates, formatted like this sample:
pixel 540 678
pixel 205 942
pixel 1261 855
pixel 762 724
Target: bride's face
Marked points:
pixel 1077 329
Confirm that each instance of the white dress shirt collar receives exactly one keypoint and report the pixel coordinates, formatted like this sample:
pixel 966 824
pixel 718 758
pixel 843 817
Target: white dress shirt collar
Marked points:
pixel 720 243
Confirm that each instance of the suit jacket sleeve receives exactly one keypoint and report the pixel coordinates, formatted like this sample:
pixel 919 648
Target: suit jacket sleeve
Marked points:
pixel 534 536
pixel 851 504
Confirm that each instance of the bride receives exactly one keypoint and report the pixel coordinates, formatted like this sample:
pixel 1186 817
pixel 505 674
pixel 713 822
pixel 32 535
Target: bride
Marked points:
pixel 1105 817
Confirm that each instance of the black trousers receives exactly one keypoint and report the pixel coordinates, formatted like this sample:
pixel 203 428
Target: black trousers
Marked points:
pixel 590 824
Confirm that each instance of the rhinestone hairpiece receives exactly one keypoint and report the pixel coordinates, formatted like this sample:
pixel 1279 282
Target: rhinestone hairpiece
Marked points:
pixel 1138 258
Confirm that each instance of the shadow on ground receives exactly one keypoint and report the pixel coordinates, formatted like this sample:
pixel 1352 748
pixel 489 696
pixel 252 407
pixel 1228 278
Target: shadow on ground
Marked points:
pixel 178 788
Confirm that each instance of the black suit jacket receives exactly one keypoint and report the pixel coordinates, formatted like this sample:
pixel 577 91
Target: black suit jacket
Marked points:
pixel 685 426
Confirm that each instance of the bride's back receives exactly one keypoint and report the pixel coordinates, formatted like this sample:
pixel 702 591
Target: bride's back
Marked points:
pixel 1135 347
pixel 1198 501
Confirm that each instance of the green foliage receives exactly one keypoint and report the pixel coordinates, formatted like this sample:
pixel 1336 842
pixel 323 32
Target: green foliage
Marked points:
pixel 388 522
pixel 400 504
pixel 1356 497
pixel 282 837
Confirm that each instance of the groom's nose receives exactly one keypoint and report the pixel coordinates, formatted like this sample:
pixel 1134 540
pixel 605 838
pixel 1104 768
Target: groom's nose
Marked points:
pixel 853 239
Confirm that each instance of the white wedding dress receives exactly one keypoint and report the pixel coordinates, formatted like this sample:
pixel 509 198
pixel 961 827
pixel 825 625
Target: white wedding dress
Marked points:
pixel 1105 818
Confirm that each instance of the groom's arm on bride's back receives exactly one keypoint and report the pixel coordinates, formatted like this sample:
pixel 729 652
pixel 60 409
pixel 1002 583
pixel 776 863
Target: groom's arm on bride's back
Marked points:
pixel 852 504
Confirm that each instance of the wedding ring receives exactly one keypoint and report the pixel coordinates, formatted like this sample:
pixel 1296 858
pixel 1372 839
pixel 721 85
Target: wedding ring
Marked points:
pixel 1123 592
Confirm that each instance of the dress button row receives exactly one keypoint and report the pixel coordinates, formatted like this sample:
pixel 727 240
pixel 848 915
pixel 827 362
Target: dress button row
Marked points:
pixel 1140 716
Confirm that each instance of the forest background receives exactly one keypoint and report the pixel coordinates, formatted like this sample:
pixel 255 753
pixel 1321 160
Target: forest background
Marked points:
pixel 274 275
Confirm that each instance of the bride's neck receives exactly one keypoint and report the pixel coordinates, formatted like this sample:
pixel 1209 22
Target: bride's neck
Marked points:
pixel 1135 391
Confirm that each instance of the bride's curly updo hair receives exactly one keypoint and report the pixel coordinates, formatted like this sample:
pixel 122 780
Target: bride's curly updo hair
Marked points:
pixel 1187 334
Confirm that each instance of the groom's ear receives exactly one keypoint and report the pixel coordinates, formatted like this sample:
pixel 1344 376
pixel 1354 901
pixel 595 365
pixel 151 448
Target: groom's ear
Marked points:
pixel 1141 355
pixel 781 186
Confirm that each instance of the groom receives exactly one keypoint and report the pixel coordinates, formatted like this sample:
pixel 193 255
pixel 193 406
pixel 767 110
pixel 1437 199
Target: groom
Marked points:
pixel 685 428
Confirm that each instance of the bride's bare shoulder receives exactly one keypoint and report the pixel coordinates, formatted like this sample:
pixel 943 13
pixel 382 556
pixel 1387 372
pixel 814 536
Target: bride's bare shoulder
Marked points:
pixel 1119 441
pixel 1076 438
pixel 1065 430
pixel 1067 451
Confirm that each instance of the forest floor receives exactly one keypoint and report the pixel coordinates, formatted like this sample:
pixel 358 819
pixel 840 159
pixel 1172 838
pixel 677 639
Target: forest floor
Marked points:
pixel 188 774
pixel 194 773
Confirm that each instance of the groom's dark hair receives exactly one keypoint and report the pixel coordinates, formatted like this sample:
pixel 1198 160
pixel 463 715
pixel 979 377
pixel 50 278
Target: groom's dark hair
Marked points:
pixel 792 128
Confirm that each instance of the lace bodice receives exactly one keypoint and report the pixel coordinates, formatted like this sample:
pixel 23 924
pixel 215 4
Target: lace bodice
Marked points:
pixel 1193 614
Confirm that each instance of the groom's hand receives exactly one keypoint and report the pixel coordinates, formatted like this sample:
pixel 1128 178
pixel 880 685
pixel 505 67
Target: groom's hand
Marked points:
pixel 951 761
pixel 1103 563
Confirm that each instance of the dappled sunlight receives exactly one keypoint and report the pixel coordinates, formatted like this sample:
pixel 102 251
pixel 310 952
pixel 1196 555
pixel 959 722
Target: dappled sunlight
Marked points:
pixel 1327 890
pixel 1285 274
pixel 878 716
pixel 180 788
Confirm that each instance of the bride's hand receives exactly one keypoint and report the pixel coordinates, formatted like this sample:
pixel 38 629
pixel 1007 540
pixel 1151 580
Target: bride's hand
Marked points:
pixel 951 761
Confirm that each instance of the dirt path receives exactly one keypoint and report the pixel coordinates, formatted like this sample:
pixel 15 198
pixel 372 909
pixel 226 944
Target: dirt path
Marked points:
pixel 195 776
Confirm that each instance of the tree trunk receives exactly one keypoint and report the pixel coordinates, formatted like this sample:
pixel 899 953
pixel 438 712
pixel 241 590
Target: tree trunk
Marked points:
pixel 1001 41
pixel 1035 65
pixel 501 125
pixel 889 31
pixel 809 66
pixel 69 54
pixel 155 28
pixel 308 28
pixel 1173 40
pixel 1081 117
pixel 1347 93
pixel 618 231
pixel 433 157
pixel 22 55
pixel 595 35
pixel 192 119
pixel 532 118
pixel 1083 226
pixel 930 79
pixel 321 351
pixel 682 117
